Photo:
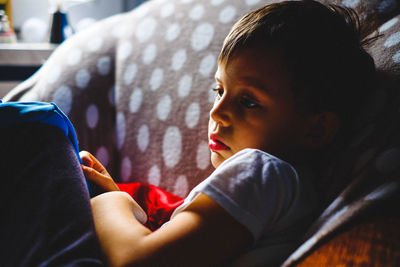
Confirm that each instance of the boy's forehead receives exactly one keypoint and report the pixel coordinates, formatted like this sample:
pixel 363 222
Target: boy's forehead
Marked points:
pixel 261 69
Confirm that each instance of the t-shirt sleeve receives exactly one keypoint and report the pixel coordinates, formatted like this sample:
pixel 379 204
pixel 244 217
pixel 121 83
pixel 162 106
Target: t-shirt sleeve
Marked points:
pixel 256 188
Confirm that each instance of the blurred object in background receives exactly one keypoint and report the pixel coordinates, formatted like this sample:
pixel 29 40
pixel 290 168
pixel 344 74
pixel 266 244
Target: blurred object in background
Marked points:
pixel 78 11
pixel 7 34
pixel 34 30
pixel 6 6
pixel 60 29
pixel 131 4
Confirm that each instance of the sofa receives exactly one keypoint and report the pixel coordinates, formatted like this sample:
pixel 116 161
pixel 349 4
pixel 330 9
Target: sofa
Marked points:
pixel 137 87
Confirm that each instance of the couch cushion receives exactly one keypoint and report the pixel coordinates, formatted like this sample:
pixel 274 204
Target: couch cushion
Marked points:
pixel 137 88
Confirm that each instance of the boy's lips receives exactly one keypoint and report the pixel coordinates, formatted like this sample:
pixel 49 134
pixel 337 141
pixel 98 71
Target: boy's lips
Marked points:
pixel 216 145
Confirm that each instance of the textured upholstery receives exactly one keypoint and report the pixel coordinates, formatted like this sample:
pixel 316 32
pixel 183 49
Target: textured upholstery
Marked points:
pixel 137 88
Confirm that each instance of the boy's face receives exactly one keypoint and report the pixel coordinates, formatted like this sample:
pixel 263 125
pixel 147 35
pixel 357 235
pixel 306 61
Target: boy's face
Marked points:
pixel 254 108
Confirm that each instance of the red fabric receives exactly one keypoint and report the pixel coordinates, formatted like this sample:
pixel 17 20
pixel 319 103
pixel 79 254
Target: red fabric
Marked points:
pixel 156 202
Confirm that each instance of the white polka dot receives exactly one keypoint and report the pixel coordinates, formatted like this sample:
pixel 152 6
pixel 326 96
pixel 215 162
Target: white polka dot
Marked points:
pixel 173 32
pixel 74 57
pixel 142 11
pixel 167 10
pixel 211 93
pixel 207 64
pixel 203 156
pixel 388 161
pixel 351 3
pixel 185 85
pixel 181 186
pixel 146 29
pixel 196 12
pixel 119 31
pixel 126 169
pixel 216 2
pixel 149 54
pixel 252 2
pixel 387 6
pixel 172 146
pixel 192 115
pixel 178 59
pixel 111 95
pixel 156 79
pixel 396 57
pixel 143 137
pixel 102 156
pixel 92 116
pixel 130 73
pixel 124 50
pixel 227 14
pixel 82 78
pixel 104 65
pixel 164 107
pixel 63 98
pixel 54 74
pixel 393 40
pixel 120 128
pixel 202 36
pixel 136 100
pixel 154 176
pixel 387 25
pixel 95 44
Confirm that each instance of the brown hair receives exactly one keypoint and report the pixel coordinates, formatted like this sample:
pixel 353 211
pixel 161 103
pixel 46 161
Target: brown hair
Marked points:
pixel 322 49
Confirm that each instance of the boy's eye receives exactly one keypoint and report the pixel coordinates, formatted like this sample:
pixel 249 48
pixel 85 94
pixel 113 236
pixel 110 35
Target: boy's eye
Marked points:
pixel 218 92
pixel 249 103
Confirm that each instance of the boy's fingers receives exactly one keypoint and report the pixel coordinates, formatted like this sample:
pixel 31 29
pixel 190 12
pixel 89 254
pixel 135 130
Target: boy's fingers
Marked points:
pixel 104 181
pixel 86 159
pixel 89 160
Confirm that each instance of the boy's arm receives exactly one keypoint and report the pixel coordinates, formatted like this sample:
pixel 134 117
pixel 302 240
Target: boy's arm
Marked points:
pixel 204 234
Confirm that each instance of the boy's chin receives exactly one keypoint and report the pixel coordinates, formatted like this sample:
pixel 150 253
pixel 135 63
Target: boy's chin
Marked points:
pixel 216 159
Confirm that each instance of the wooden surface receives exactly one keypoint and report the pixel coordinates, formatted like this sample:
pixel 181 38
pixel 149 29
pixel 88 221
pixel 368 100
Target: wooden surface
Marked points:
pixel 26 54
pixel 372 243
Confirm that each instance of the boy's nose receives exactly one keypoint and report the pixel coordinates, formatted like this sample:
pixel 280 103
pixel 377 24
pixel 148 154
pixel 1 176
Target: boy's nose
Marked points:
pixel 220 112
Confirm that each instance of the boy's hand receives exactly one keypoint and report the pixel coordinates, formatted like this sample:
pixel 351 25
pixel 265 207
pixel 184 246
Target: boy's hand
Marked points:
pixel 95 172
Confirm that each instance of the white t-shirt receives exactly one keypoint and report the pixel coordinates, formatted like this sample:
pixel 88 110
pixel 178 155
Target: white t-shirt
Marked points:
pixel 266 195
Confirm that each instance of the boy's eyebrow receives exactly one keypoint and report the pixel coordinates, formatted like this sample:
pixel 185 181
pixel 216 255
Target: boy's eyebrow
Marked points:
pixel 250 82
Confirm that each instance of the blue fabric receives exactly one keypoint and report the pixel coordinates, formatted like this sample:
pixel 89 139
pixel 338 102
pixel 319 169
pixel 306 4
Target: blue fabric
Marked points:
pixel 14 113
pixel 46 217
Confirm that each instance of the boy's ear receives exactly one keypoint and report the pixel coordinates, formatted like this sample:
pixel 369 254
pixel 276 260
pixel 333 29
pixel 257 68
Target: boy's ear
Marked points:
pixel 322 128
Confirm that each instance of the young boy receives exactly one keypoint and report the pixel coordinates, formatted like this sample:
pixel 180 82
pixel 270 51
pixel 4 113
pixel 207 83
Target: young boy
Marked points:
pixel 289 75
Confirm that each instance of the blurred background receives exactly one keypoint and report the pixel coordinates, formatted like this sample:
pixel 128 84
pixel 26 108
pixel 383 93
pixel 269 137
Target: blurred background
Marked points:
pixel 36 14
pixel 30 30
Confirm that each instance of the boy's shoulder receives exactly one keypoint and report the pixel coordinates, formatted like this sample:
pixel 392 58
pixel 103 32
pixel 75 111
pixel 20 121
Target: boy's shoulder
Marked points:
pixel 255 163
pixel 256 156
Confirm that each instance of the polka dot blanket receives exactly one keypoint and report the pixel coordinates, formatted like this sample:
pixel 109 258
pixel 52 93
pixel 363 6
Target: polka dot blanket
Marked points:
pixel 137 87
